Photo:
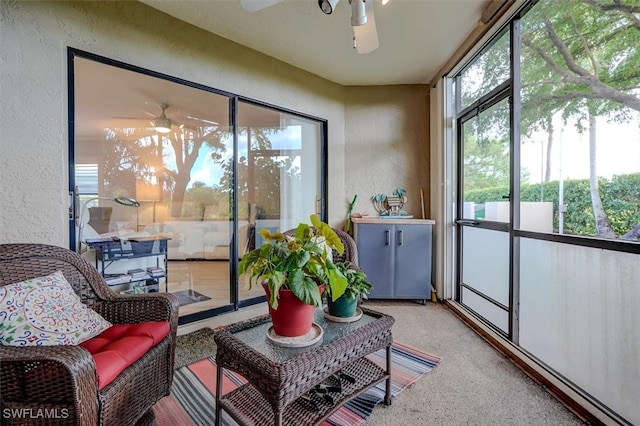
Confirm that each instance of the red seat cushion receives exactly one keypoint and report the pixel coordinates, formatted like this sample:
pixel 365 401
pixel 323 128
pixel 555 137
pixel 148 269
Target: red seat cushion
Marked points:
pixel 121 345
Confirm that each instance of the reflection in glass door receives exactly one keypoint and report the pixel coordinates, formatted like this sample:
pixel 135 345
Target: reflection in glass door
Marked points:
pixel 207 176
pixel 167 145
pixel 484 212
pixel 279 176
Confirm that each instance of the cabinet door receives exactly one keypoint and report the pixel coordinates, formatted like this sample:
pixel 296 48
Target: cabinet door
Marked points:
pixel 413 261
pixel 375 256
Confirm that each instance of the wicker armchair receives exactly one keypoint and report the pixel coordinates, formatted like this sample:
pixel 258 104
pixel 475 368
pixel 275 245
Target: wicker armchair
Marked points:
pixel 350 253
pixel 63 378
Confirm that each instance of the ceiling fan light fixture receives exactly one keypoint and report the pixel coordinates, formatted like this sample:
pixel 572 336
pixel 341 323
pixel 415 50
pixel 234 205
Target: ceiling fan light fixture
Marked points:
pixel 162 125
pixel 328 6
pixel 358 13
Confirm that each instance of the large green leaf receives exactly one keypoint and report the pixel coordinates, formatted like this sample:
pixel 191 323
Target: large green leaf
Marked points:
pixel 247 262
pixel 305 288
pixel 338 283
pixel 302 232
pixel 275 282
pixel 297 260
pixel 330 236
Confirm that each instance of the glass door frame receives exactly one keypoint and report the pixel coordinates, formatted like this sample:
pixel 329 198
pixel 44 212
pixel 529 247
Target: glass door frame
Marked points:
pixel 321 205
pixel 510 90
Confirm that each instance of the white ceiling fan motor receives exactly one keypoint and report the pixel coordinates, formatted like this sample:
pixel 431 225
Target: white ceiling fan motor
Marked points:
pixel 358 13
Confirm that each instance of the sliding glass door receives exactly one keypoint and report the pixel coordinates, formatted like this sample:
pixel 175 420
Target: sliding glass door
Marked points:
pixel 279 175
pixel 484 224
pixel 207 168
pixel 484 172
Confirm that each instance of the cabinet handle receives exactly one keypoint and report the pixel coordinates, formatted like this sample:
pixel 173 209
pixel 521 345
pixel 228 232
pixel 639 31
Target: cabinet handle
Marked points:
pixel 400 237
pixel 387 234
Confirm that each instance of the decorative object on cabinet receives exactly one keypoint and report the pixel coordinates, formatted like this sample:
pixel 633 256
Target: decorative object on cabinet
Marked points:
pixel 391 207
pixel 397 256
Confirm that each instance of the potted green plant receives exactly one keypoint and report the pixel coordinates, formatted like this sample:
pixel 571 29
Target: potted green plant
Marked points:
pixel 358 287
pixel 294 272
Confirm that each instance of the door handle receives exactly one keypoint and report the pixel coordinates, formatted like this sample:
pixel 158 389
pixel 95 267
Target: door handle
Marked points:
pixel 388 238
pixel 468 222
pixel 506 197
pixel 400 238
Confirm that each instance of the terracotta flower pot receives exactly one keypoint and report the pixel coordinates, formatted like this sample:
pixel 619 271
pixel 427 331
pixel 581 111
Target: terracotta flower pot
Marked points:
pixel 293 317
pixel 342 307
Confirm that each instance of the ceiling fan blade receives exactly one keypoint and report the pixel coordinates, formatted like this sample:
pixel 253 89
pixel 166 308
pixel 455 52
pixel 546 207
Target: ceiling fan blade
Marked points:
pixel 130 118
pixel 255 5
pixel 366 36
pixel 181 125
pixel 213 123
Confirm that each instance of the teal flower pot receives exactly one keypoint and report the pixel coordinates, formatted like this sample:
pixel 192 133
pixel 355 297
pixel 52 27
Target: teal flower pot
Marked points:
pixel 342 307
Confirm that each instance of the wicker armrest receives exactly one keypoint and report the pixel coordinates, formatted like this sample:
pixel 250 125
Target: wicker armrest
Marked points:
pixel 135 308
pixel 61 378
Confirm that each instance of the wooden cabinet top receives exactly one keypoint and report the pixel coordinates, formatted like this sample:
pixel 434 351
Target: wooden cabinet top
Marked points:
pixel 393 221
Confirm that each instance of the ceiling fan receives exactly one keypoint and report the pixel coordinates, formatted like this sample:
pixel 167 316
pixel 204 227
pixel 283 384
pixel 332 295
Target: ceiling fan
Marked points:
pixel 162 124
pixel 365 34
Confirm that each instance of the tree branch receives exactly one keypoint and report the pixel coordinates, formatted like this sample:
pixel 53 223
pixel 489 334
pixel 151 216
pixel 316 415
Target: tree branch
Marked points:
pixel 626 9
pixel 599 89
pixel 169 172
pixel 587 48
pixel 564 50
pixel 633 234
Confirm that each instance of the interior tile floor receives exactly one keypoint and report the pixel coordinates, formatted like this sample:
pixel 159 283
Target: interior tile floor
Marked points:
pixel 208 277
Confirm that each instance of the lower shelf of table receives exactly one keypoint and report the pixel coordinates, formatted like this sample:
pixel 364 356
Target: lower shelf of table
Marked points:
pixel 248 407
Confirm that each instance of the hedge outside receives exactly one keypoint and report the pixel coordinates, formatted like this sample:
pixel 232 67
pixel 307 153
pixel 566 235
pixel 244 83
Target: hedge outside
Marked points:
pixel 620 197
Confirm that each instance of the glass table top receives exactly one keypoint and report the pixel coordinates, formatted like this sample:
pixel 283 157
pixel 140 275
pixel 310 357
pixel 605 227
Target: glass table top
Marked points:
pixel 256 336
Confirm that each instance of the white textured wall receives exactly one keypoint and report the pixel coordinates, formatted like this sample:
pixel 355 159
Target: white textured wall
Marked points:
pixel 387 145
pixel 33 112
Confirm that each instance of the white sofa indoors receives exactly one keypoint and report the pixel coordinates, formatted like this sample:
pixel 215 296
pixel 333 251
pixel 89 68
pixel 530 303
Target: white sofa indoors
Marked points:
pixel 194 239
pixel 189 239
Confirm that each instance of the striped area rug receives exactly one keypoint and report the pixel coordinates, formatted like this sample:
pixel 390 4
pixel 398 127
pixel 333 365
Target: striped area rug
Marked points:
pixel 192 399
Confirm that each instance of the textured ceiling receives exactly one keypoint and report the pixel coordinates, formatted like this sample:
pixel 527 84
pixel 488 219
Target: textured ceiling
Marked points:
pixel 416 36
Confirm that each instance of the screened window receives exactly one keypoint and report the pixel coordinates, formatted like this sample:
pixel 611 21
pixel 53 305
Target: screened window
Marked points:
pixel 580 118
pixel 578 121
pixel 488 71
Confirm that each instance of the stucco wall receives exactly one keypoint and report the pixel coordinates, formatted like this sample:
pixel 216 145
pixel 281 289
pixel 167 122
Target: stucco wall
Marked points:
pixel 34 196
pixel 387 144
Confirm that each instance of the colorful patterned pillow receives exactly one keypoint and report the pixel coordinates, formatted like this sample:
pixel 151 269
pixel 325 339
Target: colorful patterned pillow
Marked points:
pixel 45 311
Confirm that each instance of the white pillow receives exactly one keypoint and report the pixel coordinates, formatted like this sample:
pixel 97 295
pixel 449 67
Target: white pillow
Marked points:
pixel 45 311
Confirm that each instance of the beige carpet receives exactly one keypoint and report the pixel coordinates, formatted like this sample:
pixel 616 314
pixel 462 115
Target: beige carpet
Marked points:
pixel 473 385
pixel 194 346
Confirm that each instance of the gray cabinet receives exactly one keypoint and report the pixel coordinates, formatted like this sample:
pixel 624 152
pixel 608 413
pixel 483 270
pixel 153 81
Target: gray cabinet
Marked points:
pixel 396 256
